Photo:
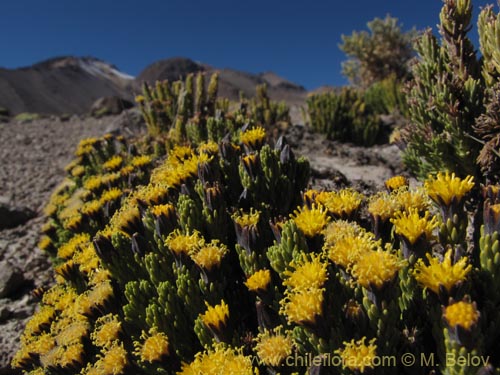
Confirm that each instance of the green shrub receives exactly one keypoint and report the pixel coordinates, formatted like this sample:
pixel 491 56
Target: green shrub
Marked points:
pixel 27 117
pixel 453 99
pixel 344 117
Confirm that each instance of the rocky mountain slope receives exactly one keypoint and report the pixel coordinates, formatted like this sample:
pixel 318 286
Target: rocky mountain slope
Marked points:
pixel 69 85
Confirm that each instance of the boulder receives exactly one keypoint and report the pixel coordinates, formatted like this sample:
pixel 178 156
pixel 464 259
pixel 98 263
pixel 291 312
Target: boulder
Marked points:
pixel 10 216
pixel 110 105
pixel 129 122
pixel 11 279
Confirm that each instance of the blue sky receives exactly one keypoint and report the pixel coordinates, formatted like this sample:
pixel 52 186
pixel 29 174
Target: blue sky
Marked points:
pixel 296 39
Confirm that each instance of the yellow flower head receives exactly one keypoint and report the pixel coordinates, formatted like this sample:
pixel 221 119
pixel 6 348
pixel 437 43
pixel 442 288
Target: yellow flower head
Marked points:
pixel 411 226
pixel 219 360
pixel 86 146
pixel 443 273
pixel 113 361
pixel 396 182
pixel 216 316
pixel 306 274
pixel 209 148
pixel 67 250
pixel 273 346
pixel 167 210
pixel 154 348
pixel 209 255
pixel 180 243
pixel 93 183
pixel 107 330
pixel 383 205
pixel 91 208
pixel 141 161
pixel 78 171
pixel 73 333
pixel 446 188
pixel 412 199
pixel 114 163
pixel 463 314
pixel 250 219
pixel 342 203
pixel 152 194
pixel 41 320
pixel 126 220
pixel 357 355
pixel 349 246
pixel 110 195
pixel 375 268
pixel 258 281
pixel 253 138
pixel 311 221
pixel 303 306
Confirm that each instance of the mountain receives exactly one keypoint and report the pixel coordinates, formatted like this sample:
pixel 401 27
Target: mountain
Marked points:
pixel 62 85
pixel 72 84
pixel 231 82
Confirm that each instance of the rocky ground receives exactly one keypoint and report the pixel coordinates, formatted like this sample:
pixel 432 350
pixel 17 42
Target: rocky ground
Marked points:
pixel 32 159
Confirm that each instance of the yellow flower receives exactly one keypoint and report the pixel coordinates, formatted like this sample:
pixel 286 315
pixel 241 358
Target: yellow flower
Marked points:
pixel 86 146
pixel 273 346
pixel 217 361
pixel 303 306
pixel 311 221
pixel 45 243
pixel 110 195
pixel 375 268
pixel 78 171
pixel 348 248
pixel 73 333
pixel 127 220
pixel 216 317
pixel 358 356
pixel 306 274
pixel 86 258
pixel 412 199
pixel 113 163
pixel 113 361
pixel 71 355
pixel 180 243
pixel 443 273
pixel 342 203
pixel 411 226
pixel 167 210
pixel 107 330
pixel 445 188
pixel 91 208
pixel 152 194
pixel 68 249
pixel 396 182
pixel 246 219
pixel 209 147
pixel 210 255
pixel 463 314
pixel 258 281
pixel 41 320
pixel 93 183
pixel 253 138
pixel 141 161
pixel 154 348
pixel 383 205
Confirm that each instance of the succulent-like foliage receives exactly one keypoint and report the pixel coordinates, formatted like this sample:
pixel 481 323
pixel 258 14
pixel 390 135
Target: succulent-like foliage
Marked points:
pixel 453 98
pixel 345 116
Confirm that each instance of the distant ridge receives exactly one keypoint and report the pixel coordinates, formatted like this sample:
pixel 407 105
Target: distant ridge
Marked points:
pixel 69 84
